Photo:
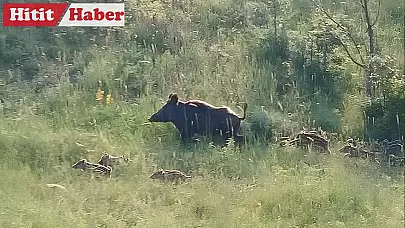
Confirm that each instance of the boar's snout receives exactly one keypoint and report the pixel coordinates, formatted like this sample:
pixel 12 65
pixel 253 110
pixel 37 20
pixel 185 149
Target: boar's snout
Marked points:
pixel 153 118
pixel 154 176
pixel 159 117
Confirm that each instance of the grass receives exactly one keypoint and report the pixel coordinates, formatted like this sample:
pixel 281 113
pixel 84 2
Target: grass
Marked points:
pixel 224 53
pixel 259 187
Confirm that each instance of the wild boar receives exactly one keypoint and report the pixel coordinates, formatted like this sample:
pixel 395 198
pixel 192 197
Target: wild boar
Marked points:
pixel 197 117
pixel 84 165
pixel 109 160
pixel 170 175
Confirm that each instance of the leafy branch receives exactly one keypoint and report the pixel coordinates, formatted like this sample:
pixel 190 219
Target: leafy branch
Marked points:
pixel 356 45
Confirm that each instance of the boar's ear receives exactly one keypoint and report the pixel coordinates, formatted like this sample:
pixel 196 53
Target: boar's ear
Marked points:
pixel 174 98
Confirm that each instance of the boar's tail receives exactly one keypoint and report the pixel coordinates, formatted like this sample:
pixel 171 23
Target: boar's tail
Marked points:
pixel 244 111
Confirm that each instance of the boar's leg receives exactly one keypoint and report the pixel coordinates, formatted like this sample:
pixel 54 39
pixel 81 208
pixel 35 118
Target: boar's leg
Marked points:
pixel 186 135
pixel 239 140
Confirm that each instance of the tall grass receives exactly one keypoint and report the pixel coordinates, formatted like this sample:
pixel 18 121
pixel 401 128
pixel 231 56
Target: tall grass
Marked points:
pixel 211 51
pixel 259 187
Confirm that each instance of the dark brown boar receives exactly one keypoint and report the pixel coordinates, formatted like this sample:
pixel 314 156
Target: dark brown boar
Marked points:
pixel 197 117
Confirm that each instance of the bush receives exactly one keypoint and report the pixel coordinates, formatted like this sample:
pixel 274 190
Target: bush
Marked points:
pixel 385 119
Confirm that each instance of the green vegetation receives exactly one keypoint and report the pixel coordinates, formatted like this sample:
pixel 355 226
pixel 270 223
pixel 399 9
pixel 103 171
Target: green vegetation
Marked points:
pixel 290 60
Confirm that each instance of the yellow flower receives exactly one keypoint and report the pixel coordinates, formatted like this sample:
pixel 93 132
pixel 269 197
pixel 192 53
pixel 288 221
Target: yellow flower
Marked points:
pixel 108 99
pixel 99 95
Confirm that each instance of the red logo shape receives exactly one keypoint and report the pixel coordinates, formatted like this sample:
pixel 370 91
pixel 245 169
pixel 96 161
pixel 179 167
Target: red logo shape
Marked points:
pixel 97 15
pixel 33 14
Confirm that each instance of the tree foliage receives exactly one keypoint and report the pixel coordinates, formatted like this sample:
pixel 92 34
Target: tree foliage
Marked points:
pixel 283 54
